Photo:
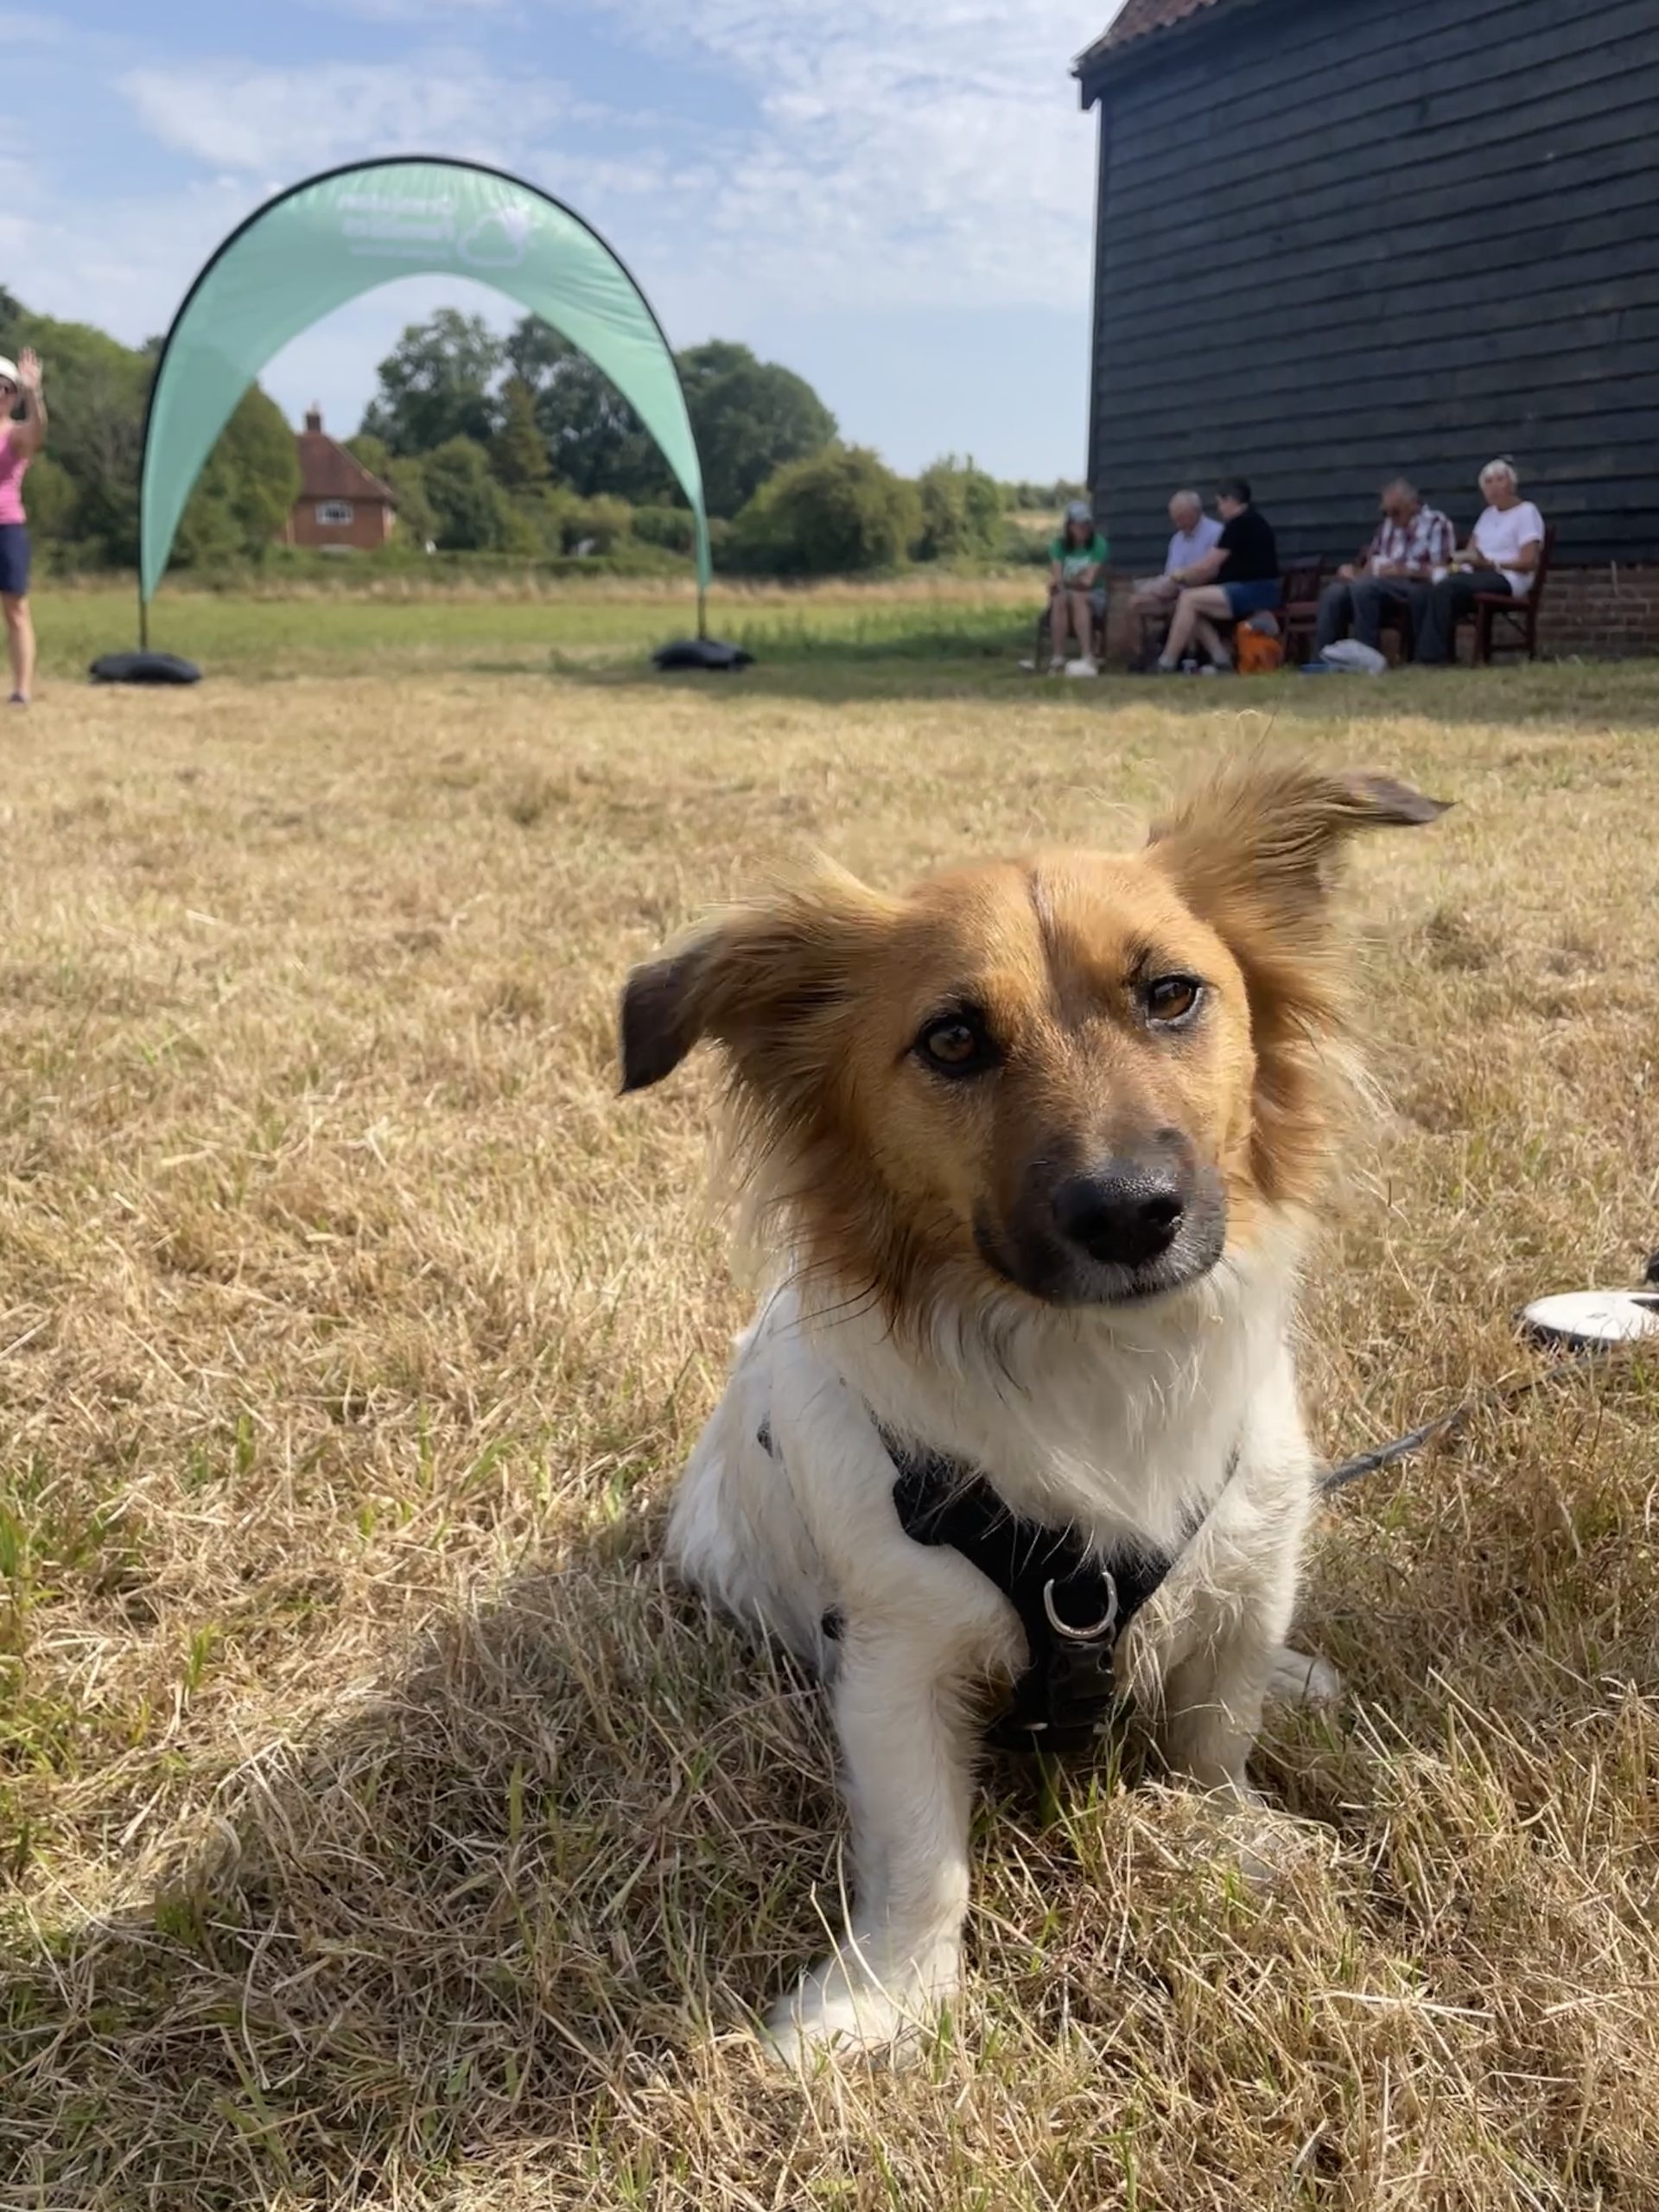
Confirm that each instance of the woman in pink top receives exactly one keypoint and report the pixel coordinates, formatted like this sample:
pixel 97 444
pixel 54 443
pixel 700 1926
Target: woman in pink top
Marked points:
pixel 19 444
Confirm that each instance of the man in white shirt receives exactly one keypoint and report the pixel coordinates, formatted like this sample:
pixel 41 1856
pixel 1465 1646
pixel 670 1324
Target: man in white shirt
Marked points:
pixel 1195 534
pixel 1502 556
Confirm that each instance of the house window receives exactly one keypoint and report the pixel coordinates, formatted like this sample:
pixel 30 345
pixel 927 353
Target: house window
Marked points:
pixel 335 511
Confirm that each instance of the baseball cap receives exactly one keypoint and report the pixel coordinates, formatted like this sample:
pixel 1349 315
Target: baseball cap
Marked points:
pixel 1079 510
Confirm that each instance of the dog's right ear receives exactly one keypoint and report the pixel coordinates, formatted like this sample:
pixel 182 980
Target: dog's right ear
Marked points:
pixel 765 980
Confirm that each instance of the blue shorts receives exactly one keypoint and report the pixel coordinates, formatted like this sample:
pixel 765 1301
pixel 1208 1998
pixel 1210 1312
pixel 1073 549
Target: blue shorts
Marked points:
pixel 1252 599
pixel 14 559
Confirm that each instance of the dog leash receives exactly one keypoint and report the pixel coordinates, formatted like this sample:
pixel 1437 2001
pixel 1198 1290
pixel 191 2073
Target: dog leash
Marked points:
pixel 1458 1416
pixel 1538 1319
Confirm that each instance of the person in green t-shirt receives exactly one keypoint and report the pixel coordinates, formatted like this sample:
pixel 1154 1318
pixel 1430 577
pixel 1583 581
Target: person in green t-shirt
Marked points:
pixel 1076 589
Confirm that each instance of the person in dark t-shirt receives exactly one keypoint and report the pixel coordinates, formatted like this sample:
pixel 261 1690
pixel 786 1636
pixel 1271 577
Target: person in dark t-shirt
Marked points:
pixel 1238 578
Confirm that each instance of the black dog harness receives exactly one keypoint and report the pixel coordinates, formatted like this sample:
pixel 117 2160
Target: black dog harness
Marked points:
pixel 1073 1605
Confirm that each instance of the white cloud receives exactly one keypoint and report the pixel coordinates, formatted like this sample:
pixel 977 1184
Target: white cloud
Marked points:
pixel 897 155
pixel 886 154
pixel 265 120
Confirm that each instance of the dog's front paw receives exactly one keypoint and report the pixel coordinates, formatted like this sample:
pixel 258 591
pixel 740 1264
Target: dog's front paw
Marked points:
pixel 1297 1679
pixel 843 2007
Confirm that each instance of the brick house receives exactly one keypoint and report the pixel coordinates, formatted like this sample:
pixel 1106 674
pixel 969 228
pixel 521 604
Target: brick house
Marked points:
pixel 341 504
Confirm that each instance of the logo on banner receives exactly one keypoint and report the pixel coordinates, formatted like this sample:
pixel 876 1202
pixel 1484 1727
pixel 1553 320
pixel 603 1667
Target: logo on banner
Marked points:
pixel 390 226
pixel 497 240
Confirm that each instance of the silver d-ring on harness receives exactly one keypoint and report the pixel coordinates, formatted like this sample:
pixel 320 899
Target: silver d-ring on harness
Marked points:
pixel 1102 1628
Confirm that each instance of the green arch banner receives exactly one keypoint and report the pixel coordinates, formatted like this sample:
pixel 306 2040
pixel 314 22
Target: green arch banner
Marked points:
pixel 337 236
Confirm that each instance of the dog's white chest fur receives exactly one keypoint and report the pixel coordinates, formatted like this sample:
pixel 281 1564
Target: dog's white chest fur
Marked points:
pixel 1122 1427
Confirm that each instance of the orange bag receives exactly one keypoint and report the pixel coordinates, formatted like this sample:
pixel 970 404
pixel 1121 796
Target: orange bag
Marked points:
pixel 1255 652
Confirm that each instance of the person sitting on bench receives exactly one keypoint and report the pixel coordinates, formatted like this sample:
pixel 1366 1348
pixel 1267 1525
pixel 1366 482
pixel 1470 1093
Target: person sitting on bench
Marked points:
pixel 1195 534
pixel 1076 589
pixel 1238 577
pixel 1501 556
pixel 1413 542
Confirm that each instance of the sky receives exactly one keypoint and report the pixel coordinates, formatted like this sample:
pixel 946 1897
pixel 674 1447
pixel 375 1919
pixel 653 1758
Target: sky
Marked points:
pixel 893 197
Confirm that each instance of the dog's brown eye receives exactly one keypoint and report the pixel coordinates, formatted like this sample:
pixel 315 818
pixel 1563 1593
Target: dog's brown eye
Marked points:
pixel 957 1045
pixel 1170 999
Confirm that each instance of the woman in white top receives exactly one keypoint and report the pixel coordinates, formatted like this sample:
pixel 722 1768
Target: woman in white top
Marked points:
pixel 1502 556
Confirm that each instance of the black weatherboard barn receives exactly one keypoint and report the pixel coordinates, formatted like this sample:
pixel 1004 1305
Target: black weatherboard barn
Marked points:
pixel 1342 239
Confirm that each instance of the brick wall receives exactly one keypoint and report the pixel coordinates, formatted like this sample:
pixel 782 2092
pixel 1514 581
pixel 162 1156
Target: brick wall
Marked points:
pixel 1602 612
pixel 370 525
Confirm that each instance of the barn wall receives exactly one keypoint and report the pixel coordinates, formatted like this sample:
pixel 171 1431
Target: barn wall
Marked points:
pixel 1338 242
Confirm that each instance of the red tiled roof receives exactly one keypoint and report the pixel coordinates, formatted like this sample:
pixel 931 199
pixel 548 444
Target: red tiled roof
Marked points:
pixel 328 472
pixel 1138 18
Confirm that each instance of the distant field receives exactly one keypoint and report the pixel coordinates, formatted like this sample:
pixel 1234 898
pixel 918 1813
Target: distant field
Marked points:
pixel 499 631
pixel 377 1829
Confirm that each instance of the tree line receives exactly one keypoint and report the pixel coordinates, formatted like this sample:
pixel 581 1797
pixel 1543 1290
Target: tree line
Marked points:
pixel 82 493
pixel 515 446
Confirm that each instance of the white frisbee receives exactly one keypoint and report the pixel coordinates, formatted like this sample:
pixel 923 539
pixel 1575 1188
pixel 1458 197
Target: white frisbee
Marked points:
pixel 1593 1317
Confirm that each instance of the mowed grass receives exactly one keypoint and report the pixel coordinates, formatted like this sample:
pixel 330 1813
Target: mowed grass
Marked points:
pixel 377 1828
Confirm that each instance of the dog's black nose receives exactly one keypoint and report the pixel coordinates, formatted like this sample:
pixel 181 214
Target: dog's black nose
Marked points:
pixel 1123 1212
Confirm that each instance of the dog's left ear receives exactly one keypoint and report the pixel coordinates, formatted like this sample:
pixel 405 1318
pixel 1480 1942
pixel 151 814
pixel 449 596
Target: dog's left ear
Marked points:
pixel 1253 854
pixel 765 980
pixel 1260 840
pixel 659 1022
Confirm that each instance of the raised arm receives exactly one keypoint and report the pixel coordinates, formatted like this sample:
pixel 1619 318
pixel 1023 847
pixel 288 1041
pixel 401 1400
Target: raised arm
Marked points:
pixel 29 436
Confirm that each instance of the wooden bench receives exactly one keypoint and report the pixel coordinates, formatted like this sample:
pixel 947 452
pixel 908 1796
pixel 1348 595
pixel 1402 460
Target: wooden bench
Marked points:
pixel 1299 612
pixel 1305 586
pixel 1518 616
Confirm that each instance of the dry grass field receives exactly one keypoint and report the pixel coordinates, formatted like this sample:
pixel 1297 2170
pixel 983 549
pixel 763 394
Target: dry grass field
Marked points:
pixel 378 1829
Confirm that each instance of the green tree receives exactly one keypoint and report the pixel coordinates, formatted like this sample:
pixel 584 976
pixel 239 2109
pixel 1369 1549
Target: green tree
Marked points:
pixel 545 513
pixel 374 453
pixel 518 454
pixel 962 512
pixel 840 513
pixel 473 513
pixel 436 384
pixel 599 524
pixel 53 499
pixel 1042 498
pixel 750 418
pixel 246 489
pixel 595 442
pixel 417 520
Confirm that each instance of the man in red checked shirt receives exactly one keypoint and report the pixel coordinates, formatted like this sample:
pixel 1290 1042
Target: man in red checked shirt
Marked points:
pixel 1412 543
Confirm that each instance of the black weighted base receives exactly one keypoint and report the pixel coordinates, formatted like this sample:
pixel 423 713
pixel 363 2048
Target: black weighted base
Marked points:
pixel 144 668
pixel 701 652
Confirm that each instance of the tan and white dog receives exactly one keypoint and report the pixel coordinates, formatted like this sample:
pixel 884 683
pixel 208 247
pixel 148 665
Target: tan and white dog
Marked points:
pixel 1035 1151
